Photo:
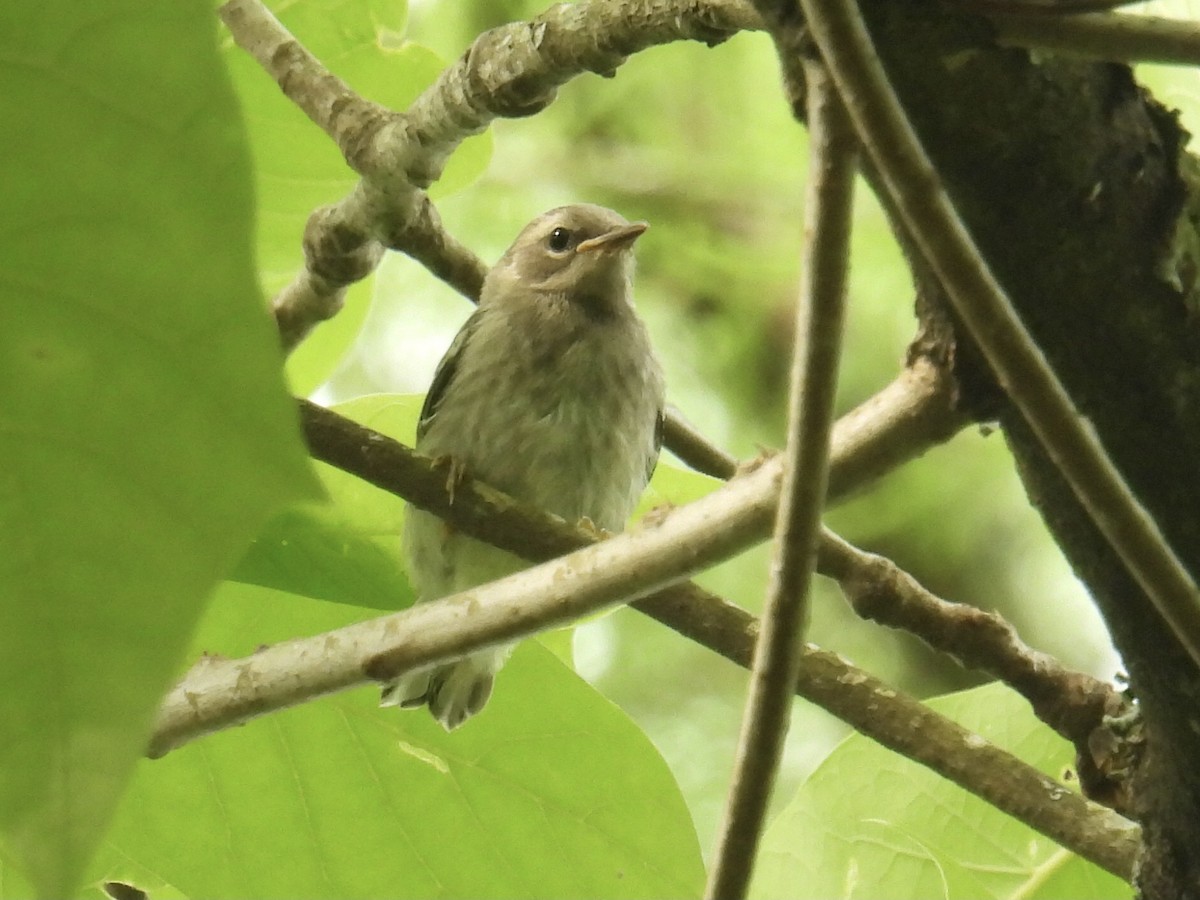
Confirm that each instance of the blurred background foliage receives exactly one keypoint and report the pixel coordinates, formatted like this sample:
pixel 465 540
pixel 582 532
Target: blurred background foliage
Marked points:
pixel 699 142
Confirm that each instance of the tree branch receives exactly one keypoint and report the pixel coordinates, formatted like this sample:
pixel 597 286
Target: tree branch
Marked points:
pixel 694 449
pixel 513 70
pixel 490 516
pixel 833 166
pixel 913 730
pixel 1071 703
pixel 1108 36
pixel 221 693
pixel 979 299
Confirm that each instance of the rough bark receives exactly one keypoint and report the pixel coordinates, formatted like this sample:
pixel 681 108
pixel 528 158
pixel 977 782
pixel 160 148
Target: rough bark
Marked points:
pixel 1073 181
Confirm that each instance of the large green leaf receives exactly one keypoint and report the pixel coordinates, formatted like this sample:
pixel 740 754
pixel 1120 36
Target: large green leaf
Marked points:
pixel 298 168
pixel 549 792
pixel 144 432
pixel 870 823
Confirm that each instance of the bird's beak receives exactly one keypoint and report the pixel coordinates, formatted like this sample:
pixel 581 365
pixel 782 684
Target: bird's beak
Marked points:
pixel 615 240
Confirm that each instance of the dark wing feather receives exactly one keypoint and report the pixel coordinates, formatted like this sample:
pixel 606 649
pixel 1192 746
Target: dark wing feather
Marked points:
pixel 443 376
pixel 660 424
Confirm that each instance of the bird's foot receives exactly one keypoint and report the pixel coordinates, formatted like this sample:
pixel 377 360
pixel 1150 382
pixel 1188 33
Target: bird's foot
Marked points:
pixel 756 462
pixel 456 473
pixel 656 514
pixel 407 691
pixel 453 692
pixel 594 531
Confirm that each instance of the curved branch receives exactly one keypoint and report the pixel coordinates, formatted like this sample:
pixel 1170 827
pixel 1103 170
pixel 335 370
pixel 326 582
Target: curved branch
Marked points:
pixel 694 449
pixel 514 70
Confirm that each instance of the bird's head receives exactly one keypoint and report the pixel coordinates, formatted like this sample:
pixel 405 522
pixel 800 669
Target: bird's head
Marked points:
pixel 581 253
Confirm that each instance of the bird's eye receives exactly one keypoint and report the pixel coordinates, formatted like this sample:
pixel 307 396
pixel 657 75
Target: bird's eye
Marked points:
pixel 560 240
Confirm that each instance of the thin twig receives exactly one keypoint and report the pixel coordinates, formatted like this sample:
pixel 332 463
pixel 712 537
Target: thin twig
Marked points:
pixel 694 449
pixel 1046 8
pixel 1020 367
pixel 833 164
pixel 915 731
pixel 327 100
pixel 1109 36
pixel 1071 703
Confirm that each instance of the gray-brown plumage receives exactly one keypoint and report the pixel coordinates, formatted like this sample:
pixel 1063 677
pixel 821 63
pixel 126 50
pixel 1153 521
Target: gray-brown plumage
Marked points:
pixel 551 393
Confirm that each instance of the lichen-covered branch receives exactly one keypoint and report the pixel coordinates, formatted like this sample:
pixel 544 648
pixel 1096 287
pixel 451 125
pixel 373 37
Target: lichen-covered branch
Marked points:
pixel 515 69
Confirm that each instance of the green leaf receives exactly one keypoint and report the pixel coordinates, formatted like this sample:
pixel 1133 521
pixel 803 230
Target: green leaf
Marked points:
pixel 318 551
pixel 298 168
pixel 870 823
pixel 550 792
pixel 144 431
pixel 318 356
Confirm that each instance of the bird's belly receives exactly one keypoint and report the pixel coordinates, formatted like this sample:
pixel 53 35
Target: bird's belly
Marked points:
pixel 566 463
pixel 569 461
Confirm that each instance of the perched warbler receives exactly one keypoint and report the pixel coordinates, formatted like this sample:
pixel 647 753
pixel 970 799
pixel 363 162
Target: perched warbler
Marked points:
pixel 551 392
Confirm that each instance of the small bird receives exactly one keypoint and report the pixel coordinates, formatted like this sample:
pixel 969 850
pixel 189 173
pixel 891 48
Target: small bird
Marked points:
pixel 550 392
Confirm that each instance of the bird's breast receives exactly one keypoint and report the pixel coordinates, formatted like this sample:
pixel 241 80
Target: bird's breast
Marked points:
pixel 572 432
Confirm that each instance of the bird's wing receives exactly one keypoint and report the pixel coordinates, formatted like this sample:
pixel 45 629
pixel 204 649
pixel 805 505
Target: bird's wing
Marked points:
pixel 660 423
pixel 446 369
